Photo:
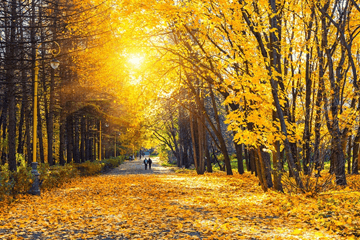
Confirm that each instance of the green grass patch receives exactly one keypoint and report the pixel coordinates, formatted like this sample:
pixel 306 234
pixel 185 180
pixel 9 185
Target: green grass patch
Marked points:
pixel 167 164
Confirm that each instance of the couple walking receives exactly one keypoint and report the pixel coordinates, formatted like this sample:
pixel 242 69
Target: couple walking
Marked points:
pixel 146 162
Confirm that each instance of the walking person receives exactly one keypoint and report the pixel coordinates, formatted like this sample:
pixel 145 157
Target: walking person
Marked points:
pixel 146 163
pixel 150 162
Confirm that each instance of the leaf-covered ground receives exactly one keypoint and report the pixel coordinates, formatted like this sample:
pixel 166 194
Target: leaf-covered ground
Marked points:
pixel 178 206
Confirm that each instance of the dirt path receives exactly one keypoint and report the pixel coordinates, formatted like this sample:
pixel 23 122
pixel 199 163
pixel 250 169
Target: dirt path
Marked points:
pixel 137 167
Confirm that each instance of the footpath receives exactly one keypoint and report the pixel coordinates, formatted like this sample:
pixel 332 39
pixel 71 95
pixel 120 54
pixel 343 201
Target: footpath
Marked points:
pixel 131 203
pixel 137 167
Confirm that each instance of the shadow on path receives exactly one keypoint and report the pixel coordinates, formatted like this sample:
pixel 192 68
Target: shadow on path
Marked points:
pixel 137 167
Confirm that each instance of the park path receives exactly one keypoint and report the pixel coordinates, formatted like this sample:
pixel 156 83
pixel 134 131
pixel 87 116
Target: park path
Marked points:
pixel 130 202
pixel 137 167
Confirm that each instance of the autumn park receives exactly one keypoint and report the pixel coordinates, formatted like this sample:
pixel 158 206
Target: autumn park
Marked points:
pixel 249 111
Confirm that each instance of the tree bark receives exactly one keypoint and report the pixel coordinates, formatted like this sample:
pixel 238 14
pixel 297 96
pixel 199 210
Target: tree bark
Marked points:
pixel 207 155
pixel 10 77
pixel 40 135
pixel 69 138
pixel 4 128
pixel 349 154
pixel 277 162
pixel 83 140
pixel 356 153
pixel 239 156
pixel 76 140
pixel 62 139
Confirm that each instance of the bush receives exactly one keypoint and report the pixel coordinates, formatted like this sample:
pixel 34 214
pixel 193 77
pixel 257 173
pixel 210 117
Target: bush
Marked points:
pixel 88 168
pixel 12 183
pixel 113 162
pixel 5 184
pixel 20 181
pixel 56 175
pixel 313 185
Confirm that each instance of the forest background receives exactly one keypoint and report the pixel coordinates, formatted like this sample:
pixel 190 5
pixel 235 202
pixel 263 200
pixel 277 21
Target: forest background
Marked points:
pixel 273 83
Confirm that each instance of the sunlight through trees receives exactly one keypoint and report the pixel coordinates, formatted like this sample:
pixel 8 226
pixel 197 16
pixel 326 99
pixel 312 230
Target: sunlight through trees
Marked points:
pixel 268 87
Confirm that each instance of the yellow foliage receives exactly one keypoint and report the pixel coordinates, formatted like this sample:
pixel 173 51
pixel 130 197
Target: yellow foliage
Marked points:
pixel 183 206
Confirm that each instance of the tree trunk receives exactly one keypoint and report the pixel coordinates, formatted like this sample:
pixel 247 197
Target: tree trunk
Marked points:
pixel 308 91
pixel 277 167
pixel 194 142
pixel 252 161
pixel 201 140
pixel 76 140
pixel 50 119
pixel 83 140
pixel 28 136
pixel 40 135
pixel 247 159
pixel 349 154
pixel 266 165
pixel 207 155
pixel 10 77
pixel 261 170
pixel 92 148
pixel 4 128
pixel 70 138
pixel 356 153
pixel 87 139
pixel 62 139
pixel 239 156
pixel 24 101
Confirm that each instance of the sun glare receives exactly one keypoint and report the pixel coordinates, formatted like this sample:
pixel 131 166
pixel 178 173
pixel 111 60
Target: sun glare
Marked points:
pixel 136 60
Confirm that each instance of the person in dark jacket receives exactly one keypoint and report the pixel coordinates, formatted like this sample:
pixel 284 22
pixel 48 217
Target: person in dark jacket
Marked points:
pixel 150 162
pixel 146 163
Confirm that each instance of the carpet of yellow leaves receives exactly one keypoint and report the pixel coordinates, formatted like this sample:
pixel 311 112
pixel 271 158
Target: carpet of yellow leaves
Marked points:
pixel 179 206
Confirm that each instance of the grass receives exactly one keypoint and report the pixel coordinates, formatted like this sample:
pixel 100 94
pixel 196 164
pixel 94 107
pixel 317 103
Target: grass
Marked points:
pixel 166 164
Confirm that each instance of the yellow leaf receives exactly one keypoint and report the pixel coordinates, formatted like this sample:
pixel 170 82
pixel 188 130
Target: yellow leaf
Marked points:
pixel 297 231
